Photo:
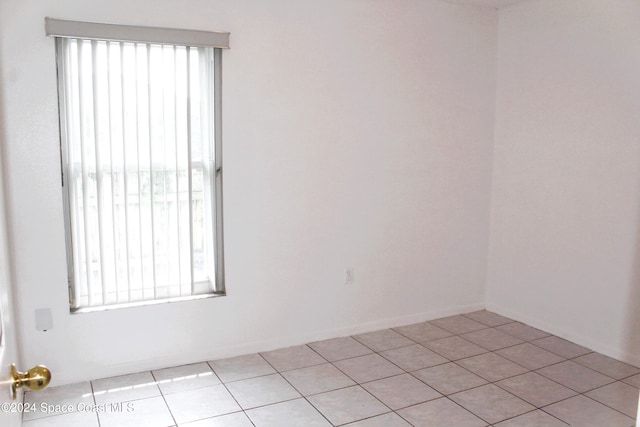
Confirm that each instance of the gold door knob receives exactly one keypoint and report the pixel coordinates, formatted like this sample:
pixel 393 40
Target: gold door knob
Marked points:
pixel 35 378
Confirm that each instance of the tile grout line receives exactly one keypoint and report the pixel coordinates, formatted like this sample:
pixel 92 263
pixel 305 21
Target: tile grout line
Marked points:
pixel 231 394
pixel 360 384
pixel 294 387
pixel 536 407
pixel 175 422
pixel 93 397
pixel 409 372
pixel 403 371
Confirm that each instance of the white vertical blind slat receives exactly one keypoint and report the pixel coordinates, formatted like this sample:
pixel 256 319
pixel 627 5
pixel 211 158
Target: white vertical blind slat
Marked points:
pixel 177 174
pixel 190 170
pixel 85 183
pixel 114 248
pixel 151 181
pixel 125 174
pixel 138 216
pixel 97 132
pixel 208 150
pixel 165 252
pixel 71 123
pixel 138 142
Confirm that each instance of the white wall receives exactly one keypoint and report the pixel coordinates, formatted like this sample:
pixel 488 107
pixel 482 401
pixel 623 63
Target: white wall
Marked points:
pixel 565 243
pixel 9 352
pixel 356 133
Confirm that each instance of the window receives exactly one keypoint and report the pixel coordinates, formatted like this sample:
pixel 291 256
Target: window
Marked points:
pixel 141 162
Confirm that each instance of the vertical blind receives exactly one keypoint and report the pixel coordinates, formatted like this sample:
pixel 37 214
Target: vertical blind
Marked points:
pixel 139 172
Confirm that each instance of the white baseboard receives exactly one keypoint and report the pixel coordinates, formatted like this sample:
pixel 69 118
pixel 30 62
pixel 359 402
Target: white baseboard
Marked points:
pixel 182 357
pixel 572 336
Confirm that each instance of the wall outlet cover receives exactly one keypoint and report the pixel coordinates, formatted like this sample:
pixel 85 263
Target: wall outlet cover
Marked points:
pixel 44 319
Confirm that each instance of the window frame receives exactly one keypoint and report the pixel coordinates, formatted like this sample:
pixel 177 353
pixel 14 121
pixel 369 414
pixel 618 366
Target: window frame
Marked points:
pixel 150 35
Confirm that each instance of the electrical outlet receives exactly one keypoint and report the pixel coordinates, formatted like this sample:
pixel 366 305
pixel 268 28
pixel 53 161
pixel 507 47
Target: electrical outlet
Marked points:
pixel 348 275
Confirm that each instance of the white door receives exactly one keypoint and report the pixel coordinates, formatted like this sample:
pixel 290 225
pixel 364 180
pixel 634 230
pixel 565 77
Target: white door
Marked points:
pixel 9 414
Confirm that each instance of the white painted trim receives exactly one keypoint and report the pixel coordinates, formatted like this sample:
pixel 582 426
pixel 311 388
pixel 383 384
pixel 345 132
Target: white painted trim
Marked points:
pixel 129 33
pixel 577 338
pixel 178 357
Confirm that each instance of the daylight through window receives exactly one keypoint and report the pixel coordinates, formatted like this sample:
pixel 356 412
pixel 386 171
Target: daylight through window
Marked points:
pixel 141 170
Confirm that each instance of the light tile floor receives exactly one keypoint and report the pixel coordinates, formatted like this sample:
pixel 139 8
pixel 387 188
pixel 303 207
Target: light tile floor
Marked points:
pixel 477 369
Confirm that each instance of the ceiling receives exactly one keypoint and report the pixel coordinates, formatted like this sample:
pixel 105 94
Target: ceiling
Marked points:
pixel 488 3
